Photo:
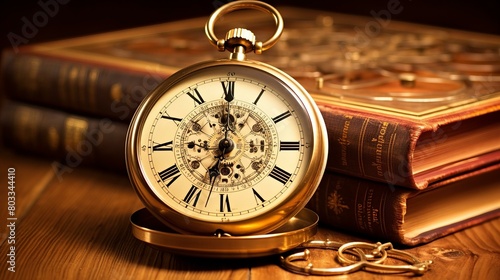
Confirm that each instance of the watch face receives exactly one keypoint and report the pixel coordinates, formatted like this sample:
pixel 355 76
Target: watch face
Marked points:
pixel 224 144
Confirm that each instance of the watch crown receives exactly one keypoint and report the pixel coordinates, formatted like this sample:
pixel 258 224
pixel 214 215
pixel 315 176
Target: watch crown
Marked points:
pixel 240 37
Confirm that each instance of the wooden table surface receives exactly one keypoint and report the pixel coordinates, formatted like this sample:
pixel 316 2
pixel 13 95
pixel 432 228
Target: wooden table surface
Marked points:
pixel 75 225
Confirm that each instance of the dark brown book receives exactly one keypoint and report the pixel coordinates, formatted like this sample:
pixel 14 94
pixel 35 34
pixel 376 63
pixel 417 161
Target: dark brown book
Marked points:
pixel 409 217
pixel 405 104
pixel 84 87
pixel 68 139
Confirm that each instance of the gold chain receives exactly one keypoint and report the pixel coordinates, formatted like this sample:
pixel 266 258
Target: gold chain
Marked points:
pixel 373 260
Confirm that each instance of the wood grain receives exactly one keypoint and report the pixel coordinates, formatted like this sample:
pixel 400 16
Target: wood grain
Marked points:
pixel 32 177
pixel 78 228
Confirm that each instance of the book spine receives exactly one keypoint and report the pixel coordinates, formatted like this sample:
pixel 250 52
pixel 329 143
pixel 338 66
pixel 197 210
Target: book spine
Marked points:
pixel 76 86
pixel 71 140
pixel 370 147
pixel 360 206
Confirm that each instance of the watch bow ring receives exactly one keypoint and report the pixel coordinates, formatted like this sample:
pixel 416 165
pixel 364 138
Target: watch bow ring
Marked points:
pixel 257 47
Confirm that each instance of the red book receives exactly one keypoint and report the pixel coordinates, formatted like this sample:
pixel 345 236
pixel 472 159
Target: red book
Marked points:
pixel 410 217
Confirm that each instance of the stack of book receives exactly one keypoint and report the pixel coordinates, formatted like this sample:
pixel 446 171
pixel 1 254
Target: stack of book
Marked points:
pixel 412 111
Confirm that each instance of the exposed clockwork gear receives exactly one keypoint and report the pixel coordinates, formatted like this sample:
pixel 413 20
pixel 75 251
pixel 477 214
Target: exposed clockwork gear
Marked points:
pixel 238 138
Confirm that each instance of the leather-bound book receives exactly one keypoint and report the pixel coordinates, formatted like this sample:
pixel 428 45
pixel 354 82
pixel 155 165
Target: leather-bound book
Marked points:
pixel 404 216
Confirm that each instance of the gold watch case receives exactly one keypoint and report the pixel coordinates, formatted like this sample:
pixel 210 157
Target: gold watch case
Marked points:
pixel 305 178
pixel 231 147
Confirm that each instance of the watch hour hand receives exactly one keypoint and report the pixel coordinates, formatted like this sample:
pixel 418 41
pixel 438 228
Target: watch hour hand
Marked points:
pixel 213 173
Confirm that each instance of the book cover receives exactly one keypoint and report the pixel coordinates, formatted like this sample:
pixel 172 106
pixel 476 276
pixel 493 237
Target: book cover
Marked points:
pixel 404 216
pixel 400 99
pixel 409 150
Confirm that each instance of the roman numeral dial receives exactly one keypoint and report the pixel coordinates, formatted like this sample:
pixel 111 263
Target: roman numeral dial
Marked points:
pixel 280 175
pixel 192 196
pixel 170 174
pixel 167 146
pixel 282 116
pixel 228 90
pixel 196 96
pixel 289 145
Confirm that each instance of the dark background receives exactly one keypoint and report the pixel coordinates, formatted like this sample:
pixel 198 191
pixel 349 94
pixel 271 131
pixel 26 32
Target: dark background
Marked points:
pixel 80 17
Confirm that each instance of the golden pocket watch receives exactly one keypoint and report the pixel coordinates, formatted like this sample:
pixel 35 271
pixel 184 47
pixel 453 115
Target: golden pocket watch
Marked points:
pixel 231 148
